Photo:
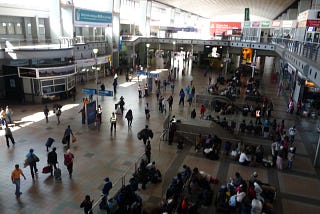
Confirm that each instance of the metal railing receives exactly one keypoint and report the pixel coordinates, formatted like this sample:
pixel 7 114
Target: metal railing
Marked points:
pixel 118 184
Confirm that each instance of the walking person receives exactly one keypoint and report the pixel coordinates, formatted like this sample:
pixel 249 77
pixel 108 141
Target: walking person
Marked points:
pixel 68 162
pixel 147 111
pixel 139 91
pixel 15 178
pixel 67 135
pixel 46 113
pixel 129 118
pixel 115 84
pixel 99 114
pixel 113 121
pixel 170 102
pixel 3 117
pixel 290 157
pixel 86 204
pixel 58 114
pixel 32 160
pixel 202 111
pixel 292 133
pixel 181 95
pixel 145 134
pixel 52 159
pixel 8 134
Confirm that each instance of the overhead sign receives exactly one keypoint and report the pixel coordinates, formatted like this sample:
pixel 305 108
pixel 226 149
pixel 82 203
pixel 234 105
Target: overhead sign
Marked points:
pixel 246 14
pixel 218 28
pixel 265 24
pixel 91 17
pixel 276 23
pixel 247 24
pixel 90 91
pixel 106 93
pixel 255 24
pixel 313 23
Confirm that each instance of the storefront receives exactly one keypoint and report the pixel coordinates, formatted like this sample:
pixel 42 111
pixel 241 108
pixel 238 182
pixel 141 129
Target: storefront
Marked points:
pixel 41 85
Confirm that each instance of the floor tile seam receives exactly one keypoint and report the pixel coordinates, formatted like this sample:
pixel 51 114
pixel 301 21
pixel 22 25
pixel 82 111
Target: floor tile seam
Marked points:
pixel 299 198
pixel 300 173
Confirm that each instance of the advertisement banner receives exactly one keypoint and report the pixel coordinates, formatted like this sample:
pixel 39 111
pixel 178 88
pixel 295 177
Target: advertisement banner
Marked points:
pixel 91 112
pixel 276 23
pixel 218 28
pixel 313 23
pixel 92 18
pixel 265 24
pixel 255 24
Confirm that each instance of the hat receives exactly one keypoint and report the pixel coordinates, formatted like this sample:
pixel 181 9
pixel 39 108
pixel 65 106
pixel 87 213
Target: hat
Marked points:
pixel 107 179
pixel 255 174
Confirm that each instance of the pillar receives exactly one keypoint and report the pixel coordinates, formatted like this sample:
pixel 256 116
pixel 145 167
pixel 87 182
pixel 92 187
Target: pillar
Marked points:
pixel 115 33
pixel 35 29
pixel 292 14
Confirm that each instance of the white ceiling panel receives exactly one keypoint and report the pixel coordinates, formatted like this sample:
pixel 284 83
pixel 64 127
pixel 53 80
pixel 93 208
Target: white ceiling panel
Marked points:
pixel 266 9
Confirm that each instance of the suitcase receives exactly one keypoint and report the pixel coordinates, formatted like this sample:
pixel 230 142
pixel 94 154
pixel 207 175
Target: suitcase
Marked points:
pixel 46 169
pixel 49 142
pixel 57 173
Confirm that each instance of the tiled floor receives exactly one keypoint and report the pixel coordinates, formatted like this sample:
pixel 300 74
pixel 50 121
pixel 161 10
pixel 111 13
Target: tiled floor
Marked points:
pixel 101 154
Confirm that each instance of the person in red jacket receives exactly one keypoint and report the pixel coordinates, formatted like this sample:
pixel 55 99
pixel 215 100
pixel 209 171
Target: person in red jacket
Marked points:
pixel 202 111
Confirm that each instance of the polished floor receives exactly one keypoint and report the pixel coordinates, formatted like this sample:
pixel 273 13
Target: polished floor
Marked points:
pixel 99 154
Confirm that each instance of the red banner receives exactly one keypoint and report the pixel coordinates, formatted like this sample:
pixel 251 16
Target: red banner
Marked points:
pixel 313 23
pixel 217 28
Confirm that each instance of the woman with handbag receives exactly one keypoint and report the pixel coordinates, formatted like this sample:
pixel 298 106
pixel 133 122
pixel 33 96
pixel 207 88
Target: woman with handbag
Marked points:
pixel 68 162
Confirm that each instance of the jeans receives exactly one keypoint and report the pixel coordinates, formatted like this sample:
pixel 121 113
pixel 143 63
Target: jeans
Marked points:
pixel 11 138
pixel 33 169
pixel 17 183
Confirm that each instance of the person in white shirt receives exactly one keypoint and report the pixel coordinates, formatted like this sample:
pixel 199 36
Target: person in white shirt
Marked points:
pixel 113 121
pixel 292 133
pixel 244 159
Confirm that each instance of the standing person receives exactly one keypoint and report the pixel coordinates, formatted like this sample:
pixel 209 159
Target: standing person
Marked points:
pixel 188 90
pixel 99 114
pixel 298 107
pixel 290 157
pixel 3 117
pixel 113 121
pixel 148 151
pixel 193 114
pixel 8 134
pixel 32 160
pixel 193 91
pixel 83 115
pixel 146 90
pixel 292 133
pixel 147 111
pixel 121 104
pixel 46 113
pixel 115 84
pixel 170 102
pixel 58 114
pixel 67 134
pixel 164 84
pixel 52 159
pixel 139 91
pixel 202 111
pixel 15 178
pixel 86 204
pixel 190 99
pixel 145 134
pixel 105 192
pixel 9 114
pixel 279 160
pixel 68 162
pixel 182 95
pixel 129 117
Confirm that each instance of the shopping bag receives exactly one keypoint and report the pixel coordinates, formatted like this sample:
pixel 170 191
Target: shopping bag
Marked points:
pixel 74 139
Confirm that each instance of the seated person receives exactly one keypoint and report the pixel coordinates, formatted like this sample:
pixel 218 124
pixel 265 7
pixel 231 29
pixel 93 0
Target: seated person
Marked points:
pixel 244 159
pixel 238 180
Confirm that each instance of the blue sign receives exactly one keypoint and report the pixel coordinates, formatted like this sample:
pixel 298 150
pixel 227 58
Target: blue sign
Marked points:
pixel 153 75
pixel 106 93
pixel 91 112
pixel 83 16
pixel 90 91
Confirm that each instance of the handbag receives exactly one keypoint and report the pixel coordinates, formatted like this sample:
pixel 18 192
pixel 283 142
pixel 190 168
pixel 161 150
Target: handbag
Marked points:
pixel 47 169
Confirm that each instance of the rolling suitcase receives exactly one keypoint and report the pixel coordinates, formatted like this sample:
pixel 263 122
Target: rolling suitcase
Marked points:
pixel 57 173
pixel 49 142
pixel 46 169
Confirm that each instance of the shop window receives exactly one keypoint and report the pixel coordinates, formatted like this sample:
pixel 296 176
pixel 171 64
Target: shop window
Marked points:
pixel 3 28
pixel 59 88
pixel 18 28
pixel 59 81
pixel 29 31
pixel 41 29
pixel 47 82
pixel 10 28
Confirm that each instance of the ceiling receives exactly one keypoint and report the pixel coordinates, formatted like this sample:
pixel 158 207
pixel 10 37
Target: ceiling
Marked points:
pixel 232 9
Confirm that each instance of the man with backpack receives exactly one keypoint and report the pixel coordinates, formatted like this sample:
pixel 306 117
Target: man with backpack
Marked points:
pixel 145 134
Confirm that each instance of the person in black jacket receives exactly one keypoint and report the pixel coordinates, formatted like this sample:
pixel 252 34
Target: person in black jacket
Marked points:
pixel 52 159
pixel 87 205
pixel 146 133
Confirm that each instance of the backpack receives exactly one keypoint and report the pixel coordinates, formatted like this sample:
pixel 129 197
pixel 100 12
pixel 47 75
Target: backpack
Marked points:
pixel 233 201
